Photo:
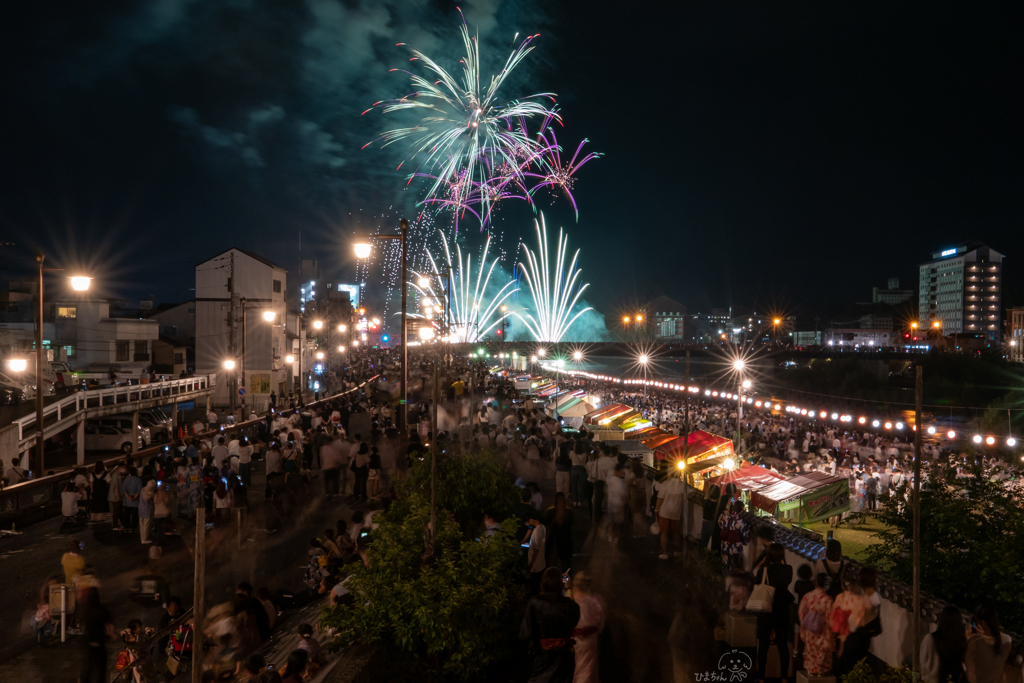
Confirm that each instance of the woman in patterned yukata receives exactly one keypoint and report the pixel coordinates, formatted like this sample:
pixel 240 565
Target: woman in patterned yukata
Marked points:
pixel 735 535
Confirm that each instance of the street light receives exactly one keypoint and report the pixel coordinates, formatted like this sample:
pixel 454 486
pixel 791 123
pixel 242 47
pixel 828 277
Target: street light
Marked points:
pixel 17 364
pixel 289 358
pixel 229 364
pixel 577 356
pixel 341 328
pixel 269 316
pixel 362 249
pixel 318 324
pixel 746 384
pixel 423 282
pixel 79 283
pixel 625 319
pixel 341 349
pixel 319 355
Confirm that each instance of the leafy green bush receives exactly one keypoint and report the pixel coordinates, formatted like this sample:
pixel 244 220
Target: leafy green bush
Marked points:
pixel 467 486
pixel 862 673
pixel 445 617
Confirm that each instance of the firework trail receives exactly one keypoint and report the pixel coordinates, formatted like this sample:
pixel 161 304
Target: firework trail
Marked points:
pixel 551 290
pixel 472 310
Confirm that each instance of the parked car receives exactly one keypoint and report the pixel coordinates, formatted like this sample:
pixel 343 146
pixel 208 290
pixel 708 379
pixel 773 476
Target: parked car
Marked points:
pixel 106 438
pixel 25 382
pixel 125 423
pixel 11 394
pixel 158 425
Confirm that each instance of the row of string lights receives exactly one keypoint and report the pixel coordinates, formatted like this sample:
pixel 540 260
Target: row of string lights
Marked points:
pixel 893 426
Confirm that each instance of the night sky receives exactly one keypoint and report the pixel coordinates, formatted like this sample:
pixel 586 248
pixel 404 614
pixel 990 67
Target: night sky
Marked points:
pixel 753 155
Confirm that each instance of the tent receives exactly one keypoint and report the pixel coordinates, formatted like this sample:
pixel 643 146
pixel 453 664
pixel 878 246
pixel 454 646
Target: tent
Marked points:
pixel 702 445
pixel 746 478
pixel 808 497
pixel 604 416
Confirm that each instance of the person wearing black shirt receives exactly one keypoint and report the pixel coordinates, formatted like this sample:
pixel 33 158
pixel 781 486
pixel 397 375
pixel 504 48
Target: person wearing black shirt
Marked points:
pixel 708 518
pixel 780 575
pixel 98 627
pixel 548 625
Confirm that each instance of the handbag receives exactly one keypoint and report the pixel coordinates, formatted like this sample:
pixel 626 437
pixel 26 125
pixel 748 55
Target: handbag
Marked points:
pixel 656 529
pixel 762 597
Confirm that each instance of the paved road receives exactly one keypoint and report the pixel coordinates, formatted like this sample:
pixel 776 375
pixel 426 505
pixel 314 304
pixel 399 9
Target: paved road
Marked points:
pixel 275 560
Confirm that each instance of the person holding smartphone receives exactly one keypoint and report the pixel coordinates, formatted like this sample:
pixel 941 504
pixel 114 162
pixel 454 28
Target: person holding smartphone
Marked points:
pixel 536 555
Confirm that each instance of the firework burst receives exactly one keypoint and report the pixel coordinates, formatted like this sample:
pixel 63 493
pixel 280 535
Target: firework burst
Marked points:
pixel 551 289
pixel 466 136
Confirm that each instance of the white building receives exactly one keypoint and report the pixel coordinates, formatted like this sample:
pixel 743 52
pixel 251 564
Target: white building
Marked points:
pixel 961 288
pixel 94 339
pixel 233 286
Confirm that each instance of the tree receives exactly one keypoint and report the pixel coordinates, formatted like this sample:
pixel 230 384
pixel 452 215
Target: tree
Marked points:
pixel 972 540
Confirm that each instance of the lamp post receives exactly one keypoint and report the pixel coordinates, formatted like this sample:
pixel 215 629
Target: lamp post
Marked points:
pixel 739 365
pixel 363 250
pixel 643 363
pixel 79 283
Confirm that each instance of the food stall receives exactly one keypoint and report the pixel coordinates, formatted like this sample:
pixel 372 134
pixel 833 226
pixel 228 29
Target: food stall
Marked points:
pixel 636 449
pixel 803 499
pixel 749 479
pixel 698 447
pixel 606 422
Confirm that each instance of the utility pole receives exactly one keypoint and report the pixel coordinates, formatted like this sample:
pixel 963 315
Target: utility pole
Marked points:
pixel 40 420
pixel 433 453
pixel 233 388
pixel 919 390
pixel 199 596
pixel 686 452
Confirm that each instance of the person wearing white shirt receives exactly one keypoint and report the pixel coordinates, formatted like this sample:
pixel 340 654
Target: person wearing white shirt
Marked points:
pixel 219 453
pixel 245 461
pixel 211 417
pixel 273 460
pixel 668 510
pixel 233 445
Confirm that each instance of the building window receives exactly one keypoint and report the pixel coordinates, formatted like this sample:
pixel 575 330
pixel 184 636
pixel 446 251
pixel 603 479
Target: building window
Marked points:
pixel 69 351
pixel 67 312
pixel 122 351
pixel 141 351
pixel 277 286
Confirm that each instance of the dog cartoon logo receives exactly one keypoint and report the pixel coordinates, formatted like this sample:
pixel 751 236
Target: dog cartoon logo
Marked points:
pixel 736 664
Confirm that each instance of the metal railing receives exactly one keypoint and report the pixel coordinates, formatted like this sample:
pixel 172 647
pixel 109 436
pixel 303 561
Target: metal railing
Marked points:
pixel 109 396
pixel 36 492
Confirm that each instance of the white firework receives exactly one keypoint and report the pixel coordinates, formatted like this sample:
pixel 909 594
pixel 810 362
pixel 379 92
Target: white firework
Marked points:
pixel 472 310
pixel 552 290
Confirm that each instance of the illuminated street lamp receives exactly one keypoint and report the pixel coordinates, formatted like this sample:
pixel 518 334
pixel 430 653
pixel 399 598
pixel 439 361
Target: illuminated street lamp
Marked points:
pixel 269 316
pixel 79 283
pixel 229 364
pixel 362 250
pixel 319 355
pixel 318 324
pixel 341 349
pixel 289 358
pixel 17 364
pixel 341 328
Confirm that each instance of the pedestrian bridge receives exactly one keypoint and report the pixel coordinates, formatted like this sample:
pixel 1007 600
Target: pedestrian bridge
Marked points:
pixel 74 409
